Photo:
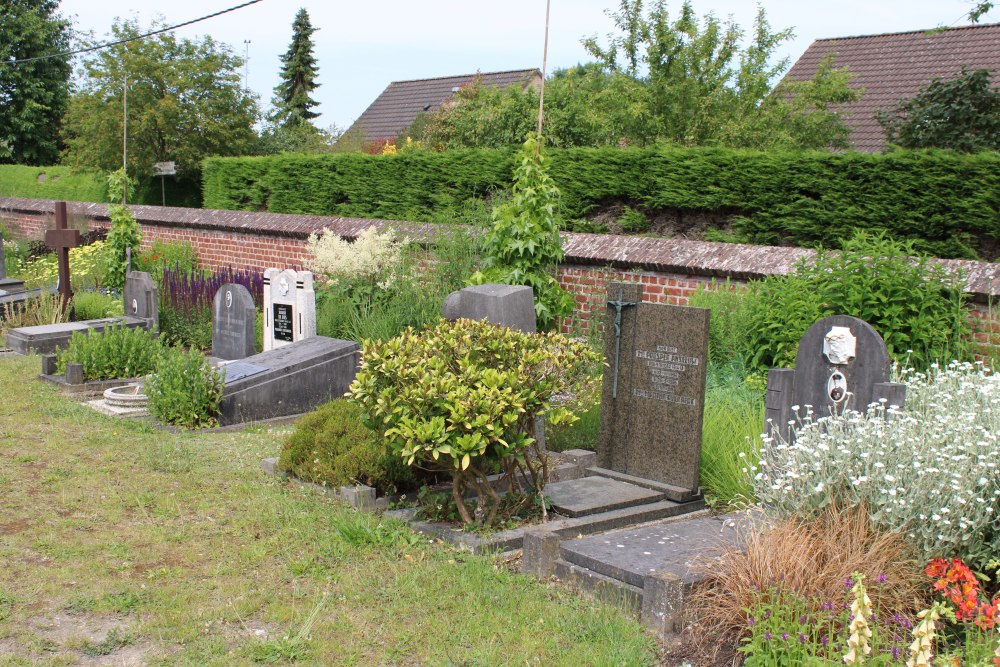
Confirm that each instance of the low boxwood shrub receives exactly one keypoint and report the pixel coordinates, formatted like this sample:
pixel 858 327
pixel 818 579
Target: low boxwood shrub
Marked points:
pixel 462 397
pixel 331 446
pixel 185 390
pixel 96 305
pixel 117 352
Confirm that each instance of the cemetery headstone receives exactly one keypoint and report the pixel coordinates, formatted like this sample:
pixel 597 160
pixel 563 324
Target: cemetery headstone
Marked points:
pixel 289 307
pixel 234 322
pixel 510 305
pixel 652 403
pixel 62 239
pixel 841 364
pixel 140 299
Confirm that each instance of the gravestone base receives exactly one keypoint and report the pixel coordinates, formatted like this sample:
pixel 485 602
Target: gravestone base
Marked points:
pixel 47 338
pixel 669 491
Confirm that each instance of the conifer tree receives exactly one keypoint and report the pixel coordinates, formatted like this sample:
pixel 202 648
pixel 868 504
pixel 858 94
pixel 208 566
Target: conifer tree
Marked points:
pixel 292 102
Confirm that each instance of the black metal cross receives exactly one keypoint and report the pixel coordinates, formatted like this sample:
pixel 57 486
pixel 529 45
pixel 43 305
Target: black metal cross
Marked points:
pixel 618 304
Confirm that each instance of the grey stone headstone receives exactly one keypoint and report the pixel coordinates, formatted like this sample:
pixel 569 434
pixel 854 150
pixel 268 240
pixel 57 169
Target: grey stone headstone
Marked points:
pixel 140 299
pixel 510 305
pixel 651 421
pixel 841 364
pixel 234 323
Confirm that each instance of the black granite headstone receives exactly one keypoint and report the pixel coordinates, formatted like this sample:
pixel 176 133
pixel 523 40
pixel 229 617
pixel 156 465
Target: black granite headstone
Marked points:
pixel 841 364
pixel 234 322
pixel 653 398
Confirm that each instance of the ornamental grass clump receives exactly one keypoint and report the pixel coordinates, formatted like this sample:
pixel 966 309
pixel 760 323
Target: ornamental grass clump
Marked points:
pixel 462 397
pixel 929 472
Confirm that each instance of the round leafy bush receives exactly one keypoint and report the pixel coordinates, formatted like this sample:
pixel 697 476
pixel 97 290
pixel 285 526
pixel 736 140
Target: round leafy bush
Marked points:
pixel 96 305
pixel 185 390
pixel 117 352
pixel 331 446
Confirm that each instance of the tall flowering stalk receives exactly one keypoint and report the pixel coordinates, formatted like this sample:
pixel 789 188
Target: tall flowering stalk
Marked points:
pixel 191 291
pixel 858 647
pixel 923 637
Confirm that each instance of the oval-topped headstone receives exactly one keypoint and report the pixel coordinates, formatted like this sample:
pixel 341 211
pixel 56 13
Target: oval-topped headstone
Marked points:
pixel 234 322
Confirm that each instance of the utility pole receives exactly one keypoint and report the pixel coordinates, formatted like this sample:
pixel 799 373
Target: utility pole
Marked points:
pixel 541 95
pixel 125 136
pixel 246 66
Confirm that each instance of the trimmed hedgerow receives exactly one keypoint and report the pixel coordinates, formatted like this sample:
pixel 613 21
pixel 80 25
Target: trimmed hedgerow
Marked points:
pixel 947 203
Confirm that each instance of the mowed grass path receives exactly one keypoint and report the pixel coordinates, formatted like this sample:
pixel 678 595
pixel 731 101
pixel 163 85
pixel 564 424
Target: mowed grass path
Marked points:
pixel 121 544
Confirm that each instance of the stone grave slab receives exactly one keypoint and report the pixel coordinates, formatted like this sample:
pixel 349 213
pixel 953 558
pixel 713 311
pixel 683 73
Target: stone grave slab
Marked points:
pixel 841 364
pixel 508 305
pixel 47 338
pixel 234 323
pixel 295 379
pixel 652 402
pixel 238 370
pixel 632 554
pixel 591 495
pixel 289 307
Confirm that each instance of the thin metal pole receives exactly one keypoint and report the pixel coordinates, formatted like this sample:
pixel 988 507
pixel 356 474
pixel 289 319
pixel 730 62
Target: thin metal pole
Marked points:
pixel 541 95
pixel 125 139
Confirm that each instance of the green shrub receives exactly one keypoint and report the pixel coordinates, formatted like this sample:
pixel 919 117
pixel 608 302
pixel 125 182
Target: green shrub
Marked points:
pixel 96 305
pixel 186 329
pixel 462 397
pixel 945 202
pixel 115 353
pixel 728 334
pixel 733 420
pixel 177 255
pixel 917 307
pixel 185 390
pixel 331 446
pixel 125 234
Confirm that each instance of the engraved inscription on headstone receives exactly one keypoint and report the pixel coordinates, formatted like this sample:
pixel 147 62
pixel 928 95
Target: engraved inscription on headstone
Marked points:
pixel 234 322
pixel 652 429
pixel 289 307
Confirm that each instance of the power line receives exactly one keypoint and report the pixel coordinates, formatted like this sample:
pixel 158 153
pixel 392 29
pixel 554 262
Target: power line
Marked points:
pixel 130 39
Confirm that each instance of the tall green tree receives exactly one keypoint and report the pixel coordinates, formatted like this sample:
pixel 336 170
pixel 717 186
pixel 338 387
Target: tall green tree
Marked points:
pixel 185 103
pixel 962 114
pixel 33 94
pixel 292 102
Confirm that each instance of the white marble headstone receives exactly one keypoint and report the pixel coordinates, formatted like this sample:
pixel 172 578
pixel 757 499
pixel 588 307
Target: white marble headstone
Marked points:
pixel 289 307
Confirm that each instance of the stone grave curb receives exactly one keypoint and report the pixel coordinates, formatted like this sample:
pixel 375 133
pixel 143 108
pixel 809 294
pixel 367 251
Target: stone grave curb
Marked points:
pixel 360 497
pixel 89 388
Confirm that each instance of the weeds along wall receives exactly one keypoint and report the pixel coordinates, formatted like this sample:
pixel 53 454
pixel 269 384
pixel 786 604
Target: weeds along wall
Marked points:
pixel 948 202
pixel 670 270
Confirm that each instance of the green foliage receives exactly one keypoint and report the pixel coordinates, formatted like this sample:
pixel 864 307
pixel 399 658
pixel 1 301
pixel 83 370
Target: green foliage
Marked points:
pixel 962 114
pixel 52 183
pixel 292 103
pixel 917 307
pixel 523 246
pixel 728 339
pixel 178 255
pixel 96 305
pixel 118 352
pixel 462 397
pixel 185 102
pixel 34 94
pixel 124 235
pixel 945 202
pixel 331 446
pixel 191 329
pixel 185 390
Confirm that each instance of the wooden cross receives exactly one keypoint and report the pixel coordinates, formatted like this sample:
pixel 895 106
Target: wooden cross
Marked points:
pixel 62 239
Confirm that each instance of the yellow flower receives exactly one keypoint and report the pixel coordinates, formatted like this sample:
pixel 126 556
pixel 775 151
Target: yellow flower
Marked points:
pixel 861 611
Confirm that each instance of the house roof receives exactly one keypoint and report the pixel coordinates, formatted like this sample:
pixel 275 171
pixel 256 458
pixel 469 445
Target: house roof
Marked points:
pixel 894 66
pixel 402 101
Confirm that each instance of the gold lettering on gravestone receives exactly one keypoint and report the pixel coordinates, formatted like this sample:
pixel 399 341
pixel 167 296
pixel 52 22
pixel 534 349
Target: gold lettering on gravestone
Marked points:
pixel 666 369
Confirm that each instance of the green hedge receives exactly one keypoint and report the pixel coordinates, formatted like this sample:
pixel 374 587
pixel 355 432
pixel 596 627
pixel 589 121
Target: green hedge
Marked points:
pixel 948 203
pixel 52 183
pixel 66 183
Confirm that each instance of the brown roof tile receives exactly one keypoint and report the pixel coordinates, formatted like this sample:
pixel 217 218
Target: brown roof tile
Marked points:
pixel 399 104
pixel 895 66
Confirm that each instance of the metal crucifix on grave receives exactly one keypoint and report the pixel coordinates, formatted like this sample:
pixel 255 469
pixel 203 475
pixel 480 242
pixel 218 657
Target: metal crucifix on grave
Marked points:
pixel 618 305
pixel 62 239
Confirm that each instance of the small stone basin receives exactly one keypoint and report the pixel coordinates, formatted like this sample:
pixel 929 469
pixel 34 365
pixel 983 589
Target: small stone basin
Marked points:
pixel 129 396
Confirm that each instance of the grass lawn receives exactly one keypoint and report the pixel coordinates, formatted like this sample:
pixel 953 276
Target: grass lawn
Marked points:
pixel 122 544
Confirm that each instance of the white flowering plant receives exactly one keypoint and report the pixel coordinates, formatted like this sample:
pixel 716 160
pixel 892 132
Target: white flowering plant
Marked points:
pixel 929 471
pixel 372 262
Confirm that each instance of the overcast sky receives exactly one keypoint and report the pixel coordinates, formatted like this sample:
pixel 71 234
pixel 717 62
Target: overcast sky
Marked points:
pixel 362 46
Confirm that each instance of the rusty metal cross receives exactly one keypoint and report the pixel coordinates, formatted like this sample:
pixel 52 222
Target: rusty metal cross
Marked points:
pixel 62 239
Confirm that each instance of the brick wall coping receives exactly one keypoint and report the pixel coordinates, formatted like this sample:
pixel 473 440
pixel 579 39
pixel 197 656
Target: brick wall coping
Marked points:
pixel 702 258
